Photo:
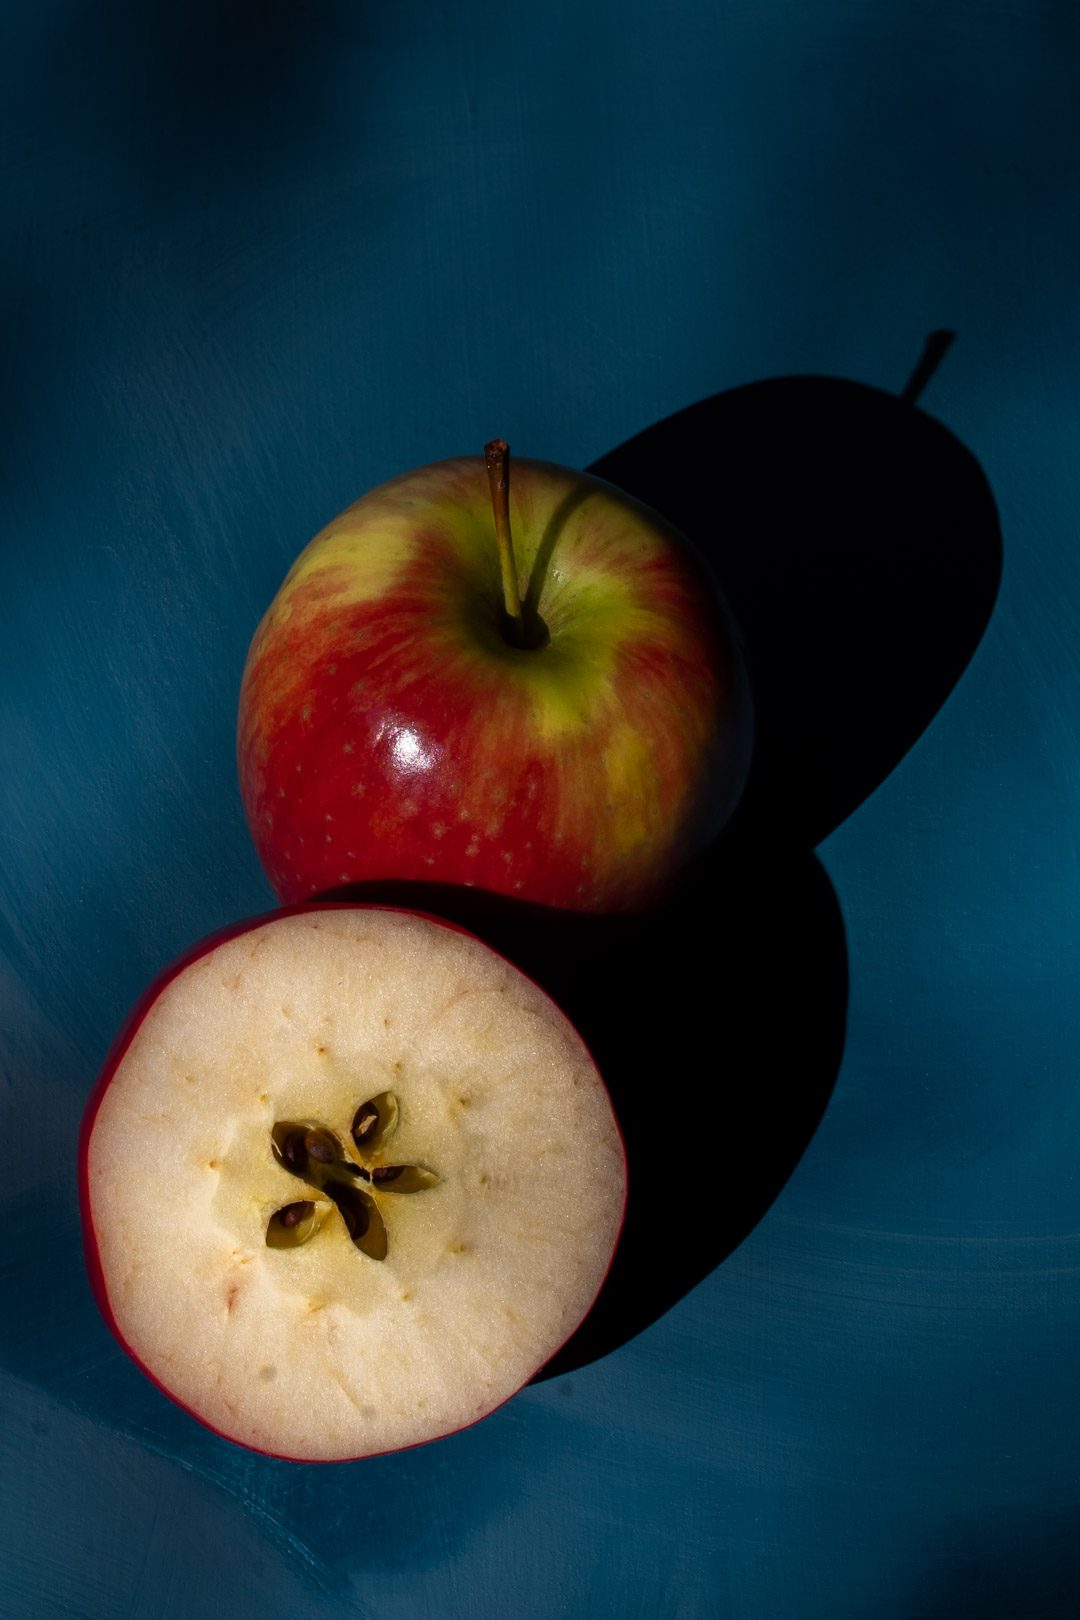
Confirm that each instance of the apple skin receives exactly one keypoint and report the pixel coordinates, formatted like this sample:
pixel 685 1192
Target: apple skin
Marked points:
pixel 123 1040
pixel 388 728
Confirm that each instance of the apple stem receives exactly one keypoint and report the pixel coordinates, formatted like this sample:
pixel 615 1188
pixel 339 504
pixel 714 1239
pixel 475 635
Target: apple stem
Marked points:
pixel 497 458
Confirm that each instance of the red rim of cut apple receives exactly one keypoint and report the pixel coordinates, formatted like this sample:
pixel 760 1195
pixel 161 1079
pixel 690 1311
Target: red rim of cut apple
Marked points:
pixel 348 1180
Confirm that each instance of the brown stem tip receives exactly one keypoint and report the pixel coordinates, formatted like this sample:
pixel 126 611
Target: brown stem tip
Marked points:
pixel 497 458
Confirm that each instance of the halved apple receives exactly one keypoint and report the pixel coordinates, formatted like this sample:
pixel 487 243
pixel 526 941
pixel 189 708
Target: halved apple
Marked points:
pixel 348 1179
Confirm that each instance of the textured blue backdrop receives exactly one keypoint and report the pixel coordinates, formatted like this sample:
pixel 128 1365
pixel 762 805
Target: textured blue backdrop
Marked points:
pixel 255 258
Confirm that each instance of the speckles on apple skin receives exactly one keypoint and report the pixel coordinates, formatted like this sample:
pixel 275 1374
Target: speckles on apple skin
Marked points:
pixel 532 744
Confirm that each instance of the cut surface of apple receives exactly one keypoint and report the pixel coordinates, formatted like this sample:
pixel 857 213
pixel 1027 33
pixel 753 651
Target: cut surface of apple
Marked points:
pixel 348 1179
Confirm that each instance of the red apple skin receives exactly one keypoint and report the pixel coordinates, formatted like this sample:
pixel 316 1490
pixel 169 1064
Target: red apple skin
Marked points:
pixel 123 1040
pixel 387 729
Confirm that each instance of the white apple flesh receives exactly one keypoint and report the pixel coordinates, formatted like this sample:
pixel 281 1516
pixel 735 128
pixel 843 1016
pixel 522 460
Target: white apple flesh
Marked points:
pixel 496 1242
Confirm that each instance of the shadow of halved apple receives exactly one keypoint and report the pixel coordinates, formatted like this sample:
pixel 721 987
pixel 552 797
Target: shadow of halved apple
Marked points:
pixel 717 1021
pixel 348 1180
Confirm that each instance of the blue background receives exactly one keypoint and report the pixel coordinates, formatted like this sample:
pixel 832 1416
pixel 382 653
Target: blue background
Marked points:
pixel 255 259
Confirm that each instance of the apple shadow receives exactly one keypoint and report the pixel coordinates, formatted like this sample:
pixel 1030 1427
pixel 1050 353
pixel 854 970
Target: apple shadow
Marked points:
pixel 858 544
pixel 717 1022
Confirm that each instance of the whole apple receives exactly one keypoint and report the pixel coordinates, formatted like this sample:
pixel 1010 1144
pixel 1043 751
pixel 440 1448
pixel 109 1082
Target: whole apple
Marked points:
pixel 348 1180
pixel 530 685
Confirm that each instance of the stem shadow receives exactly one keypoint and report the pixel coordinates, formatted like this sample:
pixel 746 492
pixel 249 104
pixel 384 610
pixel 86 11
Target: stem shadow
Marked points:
pixel 545 550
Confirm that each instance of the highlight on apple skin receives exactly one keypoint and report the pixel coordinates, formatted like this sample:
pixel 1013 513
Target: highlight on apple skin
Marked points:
pixel 396 720
pixel 347 1180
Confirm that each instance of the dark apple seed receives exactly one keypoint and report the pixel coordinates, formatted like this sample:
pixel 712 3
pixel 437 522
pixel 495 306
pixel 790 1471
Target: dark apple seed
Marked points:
pixel 292 1225
pixel 293 1152
pixel 322 1146
pixel 365 1123
pixel 356 1215
pixel 404 1178
pixel 362 1220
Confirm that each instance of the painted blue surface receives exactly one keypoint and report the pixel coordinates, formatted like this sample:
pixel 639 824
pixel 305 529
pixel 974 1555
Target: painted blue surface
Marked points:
pixel 256 258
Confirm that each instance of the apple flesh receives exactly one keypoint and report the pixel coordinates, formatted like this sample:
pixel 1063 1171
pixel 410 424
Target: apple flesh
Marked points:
pixel 390 726
pixel 348 1180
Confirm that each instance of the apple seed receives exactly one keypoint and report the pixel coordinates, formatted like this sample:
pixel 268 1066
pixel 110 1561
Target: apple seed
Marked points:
pixel 322 1146
pixel 363 1126
pixel 403 1178
pixel 289 1149
pixel 375 1120
pixel 363 1222
pixel 291 1226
